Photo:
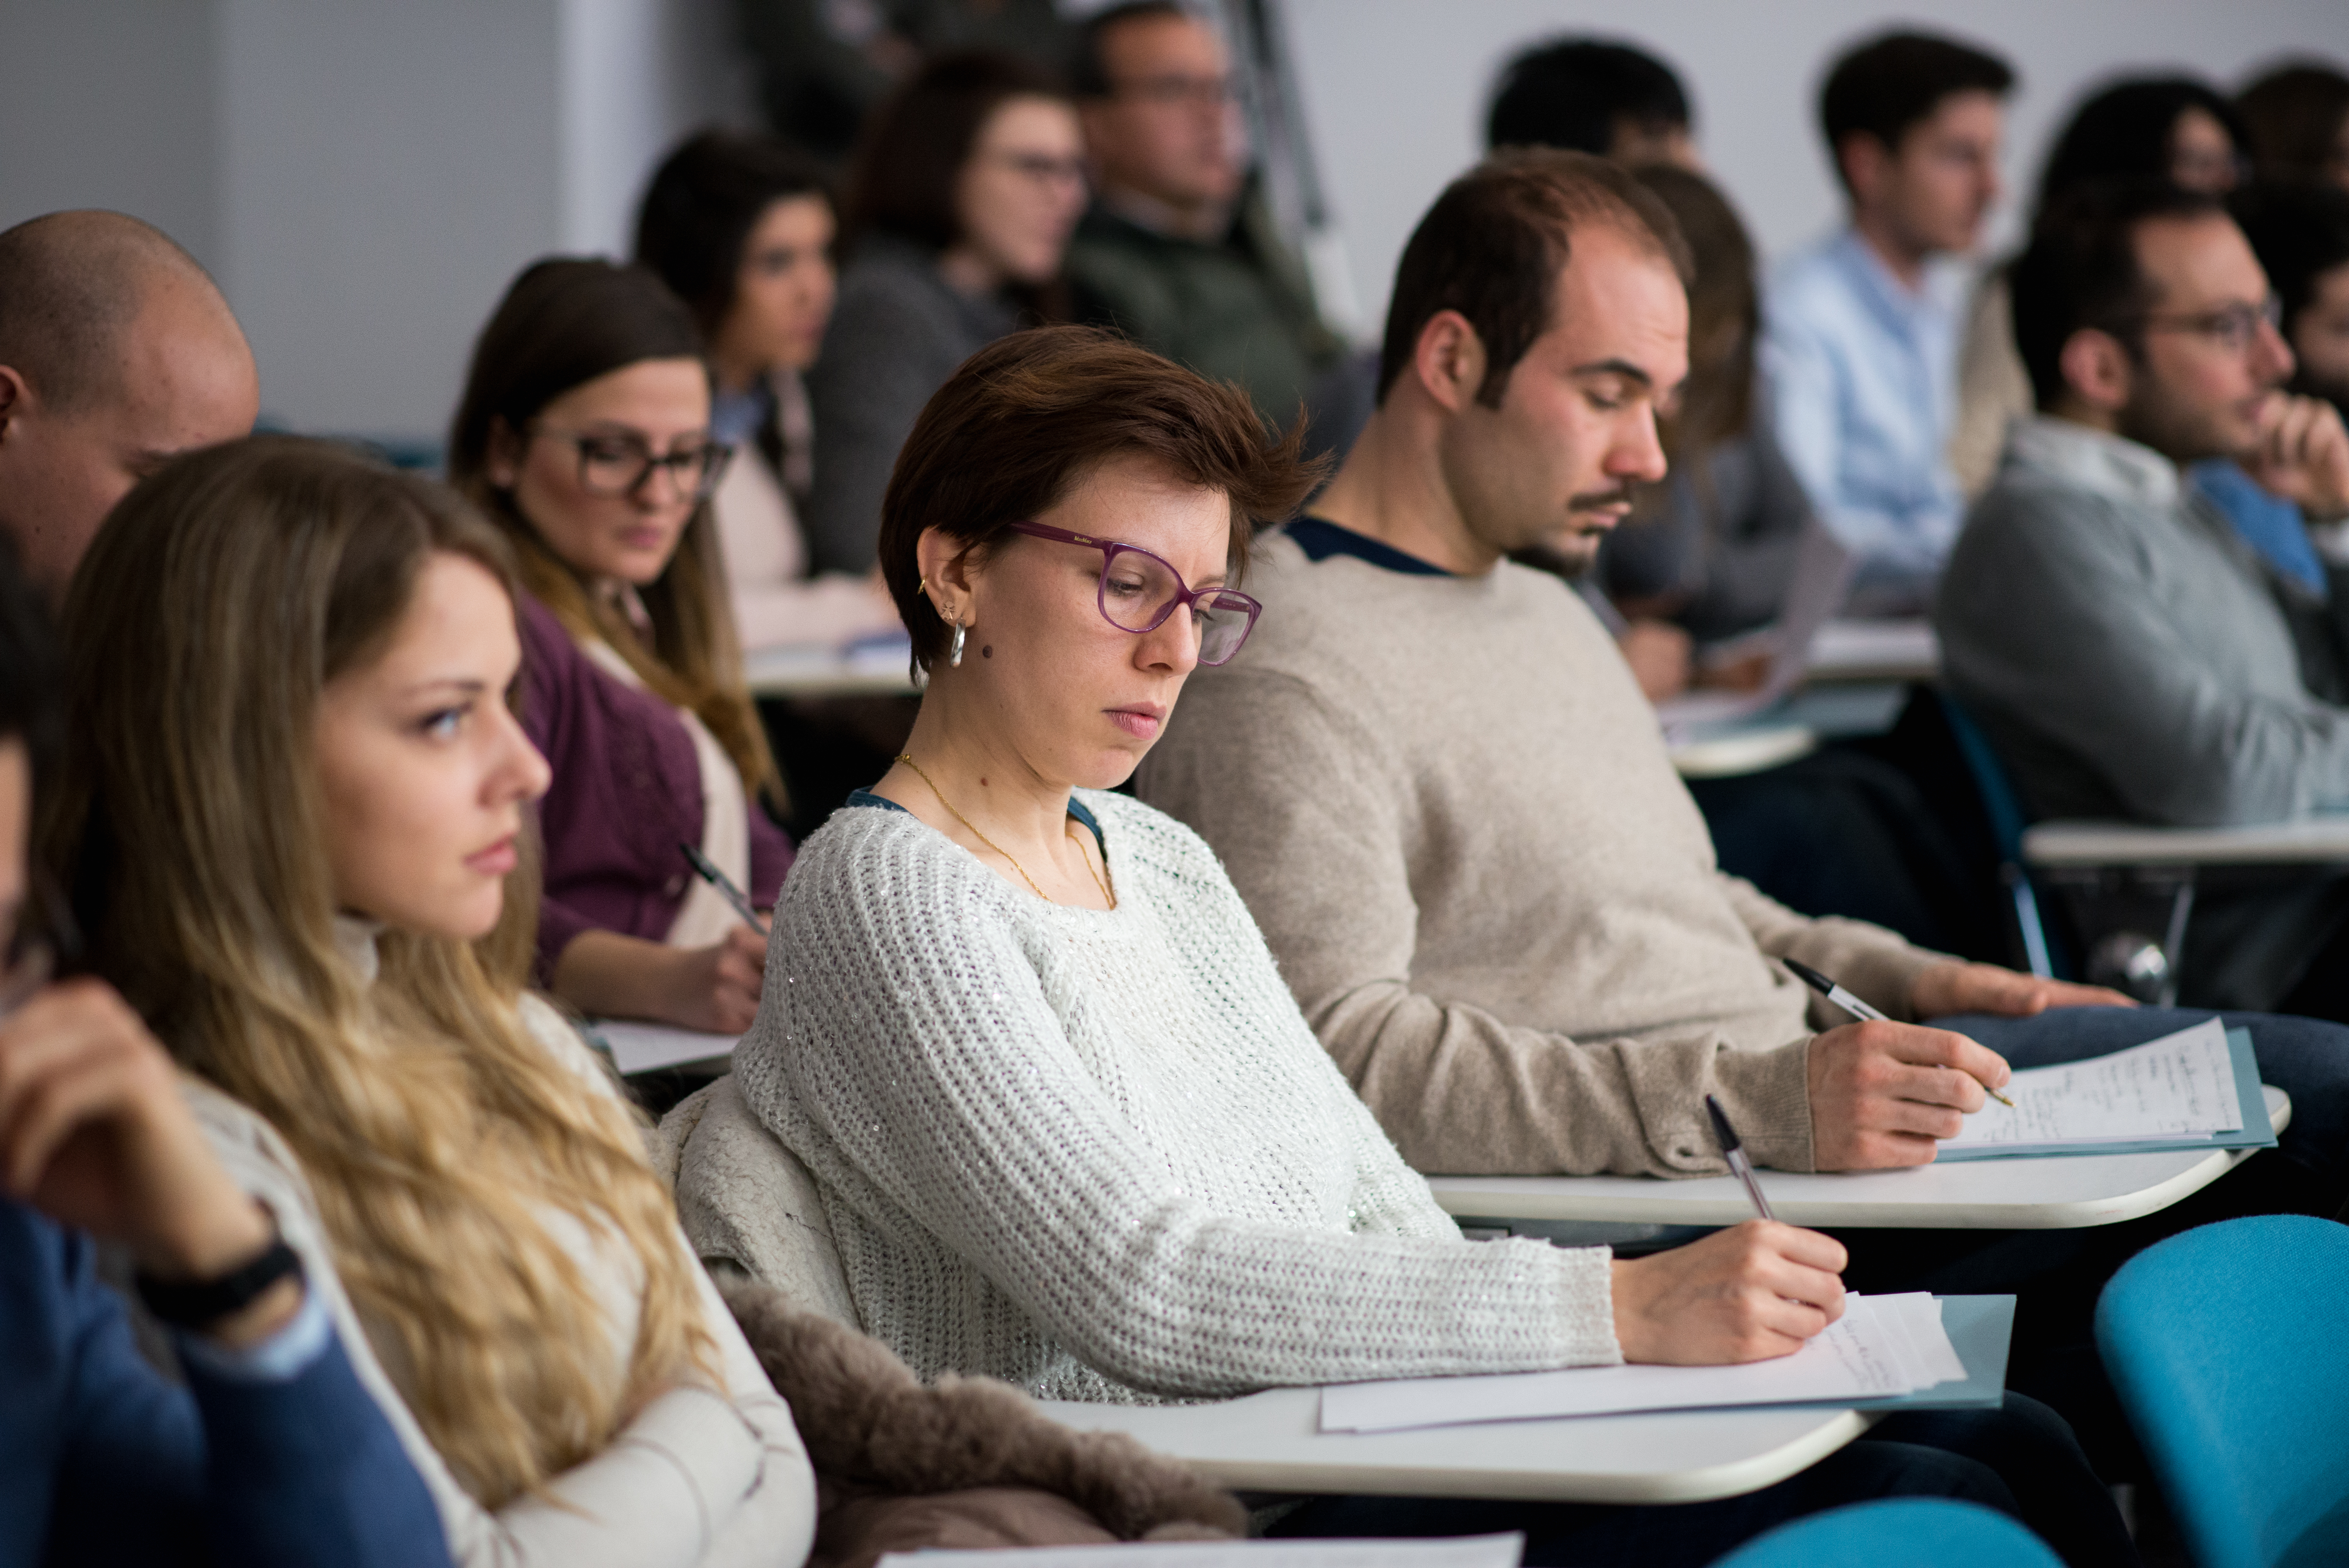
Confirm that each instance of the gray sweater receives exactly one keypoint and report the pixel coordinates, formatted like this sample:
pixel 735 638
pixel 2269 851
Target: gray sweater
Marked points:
pixel 2130 656
pixel 897 334
pixel 1450 811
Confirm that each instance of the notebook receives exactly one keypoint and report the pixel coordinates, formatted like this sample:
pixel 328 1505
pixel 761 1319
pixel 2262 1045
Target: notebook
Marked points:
pixel 2196 1089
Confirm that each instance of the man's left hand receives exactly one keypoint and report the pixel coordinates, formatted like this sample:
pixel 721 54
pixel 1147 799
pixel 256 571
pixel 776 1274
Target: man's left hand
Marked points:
pixel 1959 988
pixel 2304 458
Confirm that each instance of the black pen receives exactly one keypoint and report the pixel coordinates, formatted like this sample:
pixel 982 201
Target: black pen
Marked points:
pixel 724 884
pixel 1733 1150
pixel 1857 1008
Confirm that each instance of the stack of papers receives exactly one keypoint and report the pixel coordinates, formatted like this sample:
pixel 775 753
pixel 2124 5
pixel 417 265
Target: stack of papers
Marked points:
pixel 2176 1089
pixel 1882 1347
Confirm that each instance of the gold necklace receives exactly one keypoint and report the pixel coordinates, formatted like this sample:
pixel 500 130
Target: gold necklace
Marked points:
pixel 1107 897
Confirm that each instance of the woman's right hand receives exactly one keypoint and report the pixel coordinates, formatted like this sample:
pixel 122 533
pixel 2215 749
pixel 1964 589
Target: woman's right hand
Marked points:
pixel 714 989
pixel 1747 1293
pixel 717 987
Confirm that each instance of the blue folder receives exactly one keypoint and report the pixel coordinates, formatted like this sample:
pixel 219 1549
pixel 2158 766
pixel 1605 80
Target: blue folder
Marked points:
pixel 2257 1132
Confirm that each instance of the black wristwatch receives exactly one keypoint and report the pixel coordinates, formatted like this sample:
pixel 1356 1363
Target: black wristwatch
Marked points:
pixel 199 1303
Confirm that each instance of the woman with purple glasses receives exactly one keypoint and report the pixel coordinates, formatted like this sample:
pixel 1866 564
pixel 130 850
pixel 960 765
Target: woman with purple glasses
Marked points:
pixel 1067 1125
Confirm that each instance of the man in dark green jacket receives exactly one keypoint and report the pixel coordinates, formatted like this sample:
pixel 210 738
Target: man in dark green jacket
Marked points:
pixel 1176 250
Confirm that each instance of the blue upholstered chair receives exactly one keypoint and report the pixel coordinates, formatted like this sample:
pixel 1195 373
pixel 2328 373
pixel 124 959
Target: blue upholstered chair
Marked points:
pixel 1906 1534
pixel 2230 1348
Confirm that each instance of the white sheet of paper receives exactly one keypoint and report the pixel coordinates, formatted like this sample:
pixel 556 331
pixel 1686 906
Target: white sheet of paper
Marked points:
pixel 1455 1552
pixel 641 1048
pixel 2181 1085
pixel 1862 1356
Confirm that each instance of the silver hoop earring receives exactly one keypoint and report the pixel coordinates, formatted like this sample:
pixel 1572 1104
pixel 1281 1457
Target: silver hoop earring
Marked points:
pixel 954 653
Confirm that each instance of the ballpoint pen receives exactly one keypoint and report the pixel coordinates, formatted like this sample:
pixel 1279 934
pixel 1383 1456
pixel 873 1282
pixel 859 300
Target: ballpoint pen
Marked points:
pixel 1733 1150
pixel 724 884
pixel 1857 1008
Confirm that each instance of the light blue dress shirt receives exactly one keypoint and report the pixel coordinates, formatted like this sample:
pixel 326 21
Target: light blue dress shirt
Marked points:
pixel 1864 371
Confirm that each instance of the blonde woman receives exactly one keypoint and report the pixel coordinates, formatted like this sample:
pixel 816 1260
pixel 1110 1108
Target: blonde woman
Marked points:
pixel 585 435
pixel 304 861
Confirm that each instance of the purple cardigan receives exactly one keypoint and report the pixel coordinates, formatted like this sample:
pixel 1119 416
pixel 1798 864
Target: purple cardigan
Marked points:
pixel 626 792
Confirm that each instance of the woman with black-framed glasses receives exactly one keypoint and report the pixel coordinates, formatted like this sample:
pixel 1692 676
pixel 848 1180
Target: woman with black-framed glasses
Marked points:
pixel 585 434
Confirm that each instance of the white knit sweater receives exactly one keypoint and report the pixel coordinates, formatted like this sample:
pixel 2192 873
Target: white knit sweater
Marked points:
pixel 1099 1153
pixel 701 1478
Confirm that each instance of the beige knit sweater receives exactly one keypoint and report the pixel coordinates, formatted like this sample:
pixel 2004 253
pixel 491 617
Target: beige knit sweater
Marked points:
pixel 1449 809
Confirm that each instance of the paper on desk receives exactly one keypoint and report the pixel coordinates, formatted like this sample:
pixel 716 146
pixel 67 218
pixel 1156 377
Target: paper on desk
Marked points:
pixel 1881 1347
pixel 1454 1551
pixel 643 1048
pixel 2179 1085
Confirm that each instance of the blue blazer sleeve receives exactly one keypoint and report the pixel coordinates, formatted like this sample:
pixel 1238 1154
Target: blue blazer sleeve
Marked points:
pixel 102 1461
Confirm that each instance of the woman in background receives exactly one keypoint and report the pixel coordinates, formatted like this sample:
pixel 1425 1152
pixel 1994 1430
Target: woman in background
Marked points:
pixel 2297 117
pixel 304 863
pixel 740 227
pixel 1707 555
pixel 585 436
pixel 970 183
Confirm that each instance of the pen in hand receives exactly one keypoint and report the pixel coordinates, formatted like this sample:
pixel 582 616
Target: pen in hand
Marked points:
pixel 733 895
pixel 1733 1150
pixel 1857 1008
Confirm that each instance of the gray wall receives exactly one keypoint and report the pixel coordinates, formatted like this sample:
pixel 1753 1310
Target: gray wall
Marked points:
pixel 363 177
pixel 1395 89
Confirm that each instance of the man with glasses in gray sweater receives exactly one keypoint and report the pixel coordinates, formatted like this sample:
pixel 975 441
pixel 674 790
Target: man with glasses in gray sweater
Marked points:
pixel 2129 654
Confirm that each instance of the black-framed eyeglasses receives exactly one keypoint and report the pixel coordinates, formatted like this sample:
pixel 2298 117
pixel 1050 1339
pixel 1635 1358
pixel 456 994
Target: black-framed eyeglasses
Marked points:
pixel 617 463
pixel 1139 590
pixel 2233 327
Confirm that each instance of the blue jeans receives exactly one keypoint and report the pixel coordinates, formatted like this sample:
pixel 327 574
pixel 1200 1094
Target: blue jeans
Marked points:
pixel 2021 1460
pixel 2056 1276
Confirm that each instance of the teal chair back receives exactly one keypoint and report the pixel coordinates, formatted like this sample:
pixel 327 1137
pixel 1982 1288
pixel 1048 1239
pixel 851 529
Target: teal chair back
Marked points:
pixel 2229 1348
pixel 1907 1533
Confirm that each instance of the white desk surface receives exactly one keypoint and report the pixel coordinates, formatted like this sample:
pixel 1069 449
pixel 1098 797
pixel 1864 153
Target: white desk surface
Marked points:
pixel 2309 840
pixel 1270 1442
pixel 2051 1193
pixel 1874 651
pixel 816 671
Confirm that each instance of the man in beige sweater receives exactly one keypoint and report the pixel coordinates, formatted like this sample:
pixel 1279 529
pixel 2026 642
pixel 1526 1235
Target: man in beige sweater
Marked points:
pixel 1432 776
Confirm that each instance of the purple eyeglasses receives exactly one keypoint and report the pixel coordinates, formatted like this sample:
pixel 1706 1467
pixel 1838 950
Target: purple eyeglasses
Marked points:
pixel 1139 591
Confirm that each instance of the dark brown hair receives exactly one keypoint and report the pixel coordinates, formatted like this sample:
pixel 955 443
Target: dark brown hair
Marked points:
pixel 563 323
pixel 2293 116
pixel 1895 82
pixel 1031 414
pixel 702 204
pixel 1492 246
pixel 1724 311
pixel 2082 270
pixel 903 181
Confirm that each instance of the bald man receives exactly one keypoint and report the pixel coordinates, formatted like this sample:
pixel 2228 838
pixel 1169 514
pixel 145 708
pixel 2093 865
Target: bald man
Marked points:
pixel 117 354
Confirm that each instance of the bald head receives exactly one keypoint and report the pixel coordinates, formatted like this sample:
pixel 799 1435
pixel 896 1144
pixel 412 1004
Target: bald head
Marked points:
pixel 117 353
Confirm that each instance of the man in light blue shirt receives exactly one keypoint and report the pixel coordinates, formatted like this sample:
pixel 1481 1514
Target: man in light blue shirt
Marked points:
pixel 1861 333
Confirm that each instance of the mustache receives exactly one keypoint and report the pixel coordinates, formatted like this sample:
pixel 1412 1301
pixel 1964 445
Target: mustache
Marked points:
pixel 1593 500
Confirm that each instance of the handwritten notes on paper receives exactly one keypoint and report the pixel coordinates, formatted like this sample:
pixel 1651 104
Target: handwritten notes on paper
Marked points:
pixel 1882 1346
pixel 2179 1085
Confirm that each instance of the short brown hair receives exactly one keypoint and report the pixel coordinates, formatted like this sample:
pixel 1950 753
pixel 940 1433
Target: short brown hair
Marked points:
pixel 1494 244
pixel 1031 415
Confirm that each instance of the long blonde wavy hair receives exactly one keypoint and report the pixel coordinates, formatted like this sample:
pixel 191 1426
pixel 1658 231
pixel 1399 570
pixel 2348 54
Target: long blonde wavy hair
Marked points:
pixel 438 1135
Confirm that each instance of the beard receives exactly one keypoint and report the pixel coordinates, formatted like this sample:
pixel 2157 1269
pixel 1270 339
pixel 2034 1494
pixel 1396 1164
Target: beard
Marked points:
pixel 2179 430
